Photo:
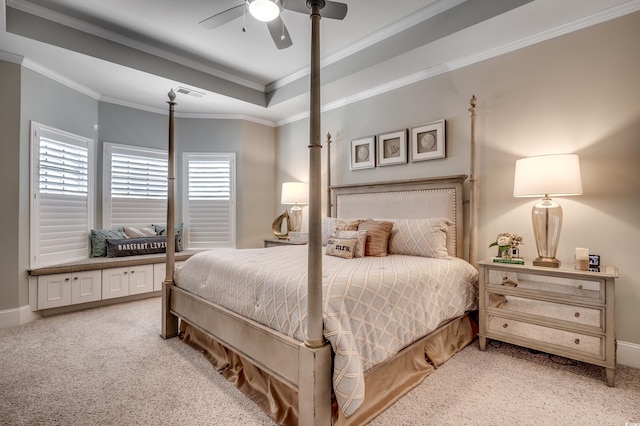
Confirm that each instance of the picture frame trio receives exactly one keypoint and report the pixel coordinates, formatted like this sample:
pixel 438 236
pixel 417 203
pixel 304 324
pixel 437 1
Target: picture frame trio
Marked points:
pixel 426 142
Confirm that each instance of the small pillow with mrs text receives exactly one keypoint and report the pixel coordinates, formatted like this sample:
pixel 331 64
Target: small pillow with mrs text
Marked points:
pixel 341 247
pixel 360 236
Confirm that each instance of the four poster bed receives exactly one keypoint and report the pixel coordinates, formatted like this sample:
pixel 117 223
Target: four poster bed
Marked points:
pixel 321 339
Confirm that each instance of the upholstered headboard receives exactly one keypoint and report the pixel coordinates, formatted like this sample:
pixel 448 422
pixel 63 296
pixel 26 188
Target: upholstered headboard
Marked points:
pixel 414 199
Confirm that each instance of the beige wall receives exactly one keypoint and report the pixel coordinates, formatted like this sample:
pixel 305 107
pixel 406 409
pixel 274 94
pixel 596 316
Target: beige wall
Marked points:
pixel 578 93
pixel 258 181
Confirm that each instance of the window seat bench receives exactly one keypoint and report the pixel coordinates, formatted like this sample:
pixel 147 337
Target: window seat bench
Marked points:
pixel 98 281
pixel 96 263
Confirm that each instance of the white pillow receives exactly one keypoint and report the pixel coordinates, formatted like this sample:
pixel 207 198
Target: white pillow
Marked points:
pixel 131 232
pixel 420 237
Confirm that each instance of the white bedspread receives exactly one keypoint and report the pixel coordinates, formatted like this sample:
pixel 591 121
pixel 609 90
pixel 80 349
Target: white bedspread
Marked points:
pixel 372 306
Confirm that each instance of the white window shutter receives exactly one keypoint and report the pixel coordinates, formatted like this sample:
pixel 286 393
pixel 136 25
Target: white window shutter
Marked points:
pixel 135 187
pixel 209 200
pixel 60 201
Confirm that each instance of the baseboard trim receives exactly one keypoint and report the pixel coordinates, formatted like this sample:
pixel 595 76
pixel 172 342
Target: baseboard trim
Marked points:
pixel 628 354
pixel 17 316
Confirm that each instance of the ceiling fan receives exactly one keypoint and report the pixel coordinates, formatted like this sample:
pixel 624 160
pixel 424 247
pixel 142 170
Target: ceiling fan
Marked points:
pixel 268 11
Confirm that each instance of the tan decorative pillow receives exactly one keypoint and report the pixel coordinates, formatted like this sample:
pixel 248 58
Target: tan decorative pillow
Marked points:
pixel 131 232
pixel 420 237
pixel 378 233
pixel 341 247
pixel 360 236
pixel 332 224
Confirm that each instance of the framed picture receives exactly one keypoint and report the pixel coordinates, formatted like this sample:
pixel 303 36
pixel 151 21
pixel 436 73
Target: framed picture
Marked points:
pixel 428 141
pixel 363 153
pixel 392 148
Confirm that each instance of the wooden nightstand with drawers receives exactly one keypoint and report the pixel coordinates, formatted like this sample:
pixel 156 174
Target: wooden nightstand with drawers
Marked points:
pixel 555 310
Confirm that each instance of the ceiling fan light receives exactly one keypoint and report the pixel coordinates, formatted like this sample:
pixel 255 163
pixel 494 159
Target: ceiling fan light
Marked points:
pixel 264 10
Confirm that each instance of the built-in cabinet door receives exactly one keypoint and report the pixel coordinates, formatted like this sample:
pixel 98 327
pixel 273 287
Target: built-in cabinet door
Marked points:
pixel 86 287
pixel 115 282
pixel 54 291
pixel 140 279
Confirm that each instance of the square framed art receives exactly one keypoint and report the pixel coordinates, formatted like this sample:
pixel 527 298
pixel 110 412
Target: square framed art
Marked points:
pixel 363 153
pixel 428 141
pixel 392 148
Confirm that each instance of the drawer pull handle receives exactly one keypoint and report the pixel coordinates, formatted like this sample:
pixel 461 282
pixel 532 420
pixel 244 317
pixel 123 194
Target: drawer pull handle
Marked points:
pixel 505 325
pixel 577 341
pixel 577 315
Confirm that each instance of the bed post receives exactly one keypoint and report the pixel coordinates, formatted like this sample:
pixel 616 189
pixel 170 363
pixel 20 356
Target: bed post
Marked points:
pixel 170 321
pixel 473 208
pixel 329 175
pixel 314 336
pixel 314 373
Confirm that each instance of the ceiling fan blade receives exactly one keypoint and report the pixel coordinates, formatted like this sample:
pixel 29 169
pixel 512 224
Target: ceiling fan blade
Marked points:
pixel 331 9
pixel 299 6
pixel 334 10
pixel 223 17
pixel 279 33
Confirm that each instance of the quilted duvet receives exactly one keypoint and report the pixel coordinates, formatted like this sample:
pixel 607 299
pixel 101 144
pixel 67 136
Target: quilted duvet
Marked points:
pixel 372 306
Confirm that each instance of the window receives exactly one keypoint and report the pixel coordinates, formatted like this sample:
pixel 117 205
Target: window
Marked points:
pixel 209 200
pixel 60 195
pixel 134 187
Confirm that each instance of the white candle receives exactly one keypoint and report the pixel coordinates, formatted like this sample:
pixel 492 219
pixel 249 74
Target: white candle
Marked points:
pixel 582 253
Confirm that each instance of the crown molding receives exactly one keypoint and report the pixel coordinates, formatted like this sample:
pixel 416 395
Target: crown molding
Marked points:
pixel 200 116
pixel 27 63
pixel 50 15
pixel 11 57
pixel 378 36
pixel 594 19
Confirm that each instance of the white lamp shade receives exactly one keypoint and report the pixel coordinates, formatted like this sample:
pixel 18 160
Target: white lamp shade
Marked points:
pixel 295 193
pixel 264 10
pixel 553 175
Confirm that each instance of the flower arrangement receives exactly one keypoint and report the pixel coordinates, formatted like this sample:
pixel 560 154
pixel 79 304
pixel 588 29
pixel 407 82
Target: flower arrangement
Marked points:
pixel 507 244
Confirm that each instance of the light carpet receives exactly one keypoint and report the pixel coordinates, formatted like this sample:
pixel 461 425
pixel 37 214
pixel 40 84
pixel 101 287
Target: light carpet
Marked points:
pixel 108 366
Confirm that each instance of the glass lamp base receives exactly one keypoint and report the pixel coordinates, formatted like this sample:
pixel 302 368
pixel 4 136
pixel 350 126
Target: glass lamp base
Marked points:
pixel 547 222
pixel 548 262
pixel 295 215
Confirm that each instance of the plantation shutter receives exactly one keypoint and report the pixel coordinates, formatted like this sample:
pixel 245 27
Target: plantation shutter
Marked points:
pixel 209 200
pixel 60 200
pixel 135 186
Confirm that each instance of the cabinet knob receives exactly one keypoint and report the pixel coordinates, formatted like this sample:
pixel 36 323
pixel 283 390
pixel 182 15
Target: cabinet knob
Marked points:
pixel 66 279
pixel 577 341
pixel 505 325
pixel 580 287
pixel 577 314
pixel 125 273
pixel 133 272
pixel 75 278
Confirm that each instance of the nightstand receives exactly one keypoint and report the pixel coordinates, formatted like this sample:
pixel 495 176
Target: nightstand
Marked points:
pixel 559 311
pixel 276 242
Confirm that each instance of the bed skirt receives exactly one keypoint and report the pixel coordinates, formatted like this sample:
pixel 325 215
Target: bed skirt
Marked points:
pixel 384 383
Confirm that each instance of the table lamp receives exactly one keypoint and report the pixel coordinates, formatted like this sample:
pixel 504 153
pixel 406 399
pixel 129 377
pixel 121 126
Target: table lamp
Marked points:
pixel 295 193
pixel 547 175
